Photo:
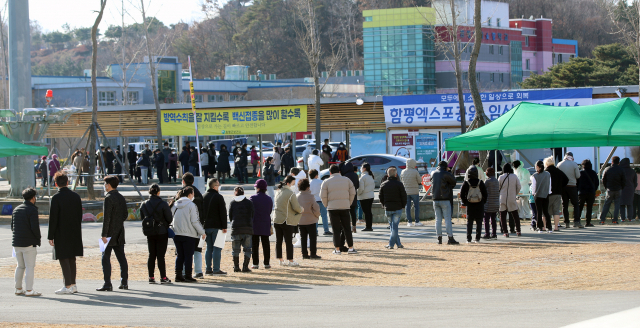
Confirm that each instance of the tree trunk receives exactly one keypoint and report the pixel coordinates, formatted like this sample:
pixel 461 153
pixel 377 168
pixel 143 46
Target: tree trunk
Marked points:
pixel 94 101
pixel 152 71
pixel 473 83
pixel 456 56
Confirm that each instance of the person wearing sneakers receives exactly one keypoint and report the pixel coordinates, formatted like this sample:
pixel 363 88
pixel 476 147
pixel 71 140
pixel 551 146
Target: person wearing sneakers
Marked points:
pixel 626 195
pixel 570 191
pixel 337 194
pixel 492 205
pixel 309 220
pixel 65 231
pixel 365 195
pixel 473 195
pixel 26 238
pixel 316 184
pixel 587 186
pixel 558 181
pixel 412 184
pixel 442 185
pixel 509 188
pixel 157 240
pixel 262 205
pixel 287 215
pixel 215 211
pixel 113 232
pixel 541 188
pixel 241 217
pixel 393 199
pixel 187 227
pixel 614 180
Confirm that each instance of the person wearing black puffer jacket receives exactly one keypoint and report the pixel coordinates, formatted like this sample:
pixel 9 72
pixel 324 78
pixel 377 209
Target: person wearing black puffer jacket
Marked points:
pixel 157 243
pixel 26 237
pixel 215 212
pixel 475 210
pixel 241 218
pixel 442 186
pixel 558 181
pixel 393 198
pixel 614 180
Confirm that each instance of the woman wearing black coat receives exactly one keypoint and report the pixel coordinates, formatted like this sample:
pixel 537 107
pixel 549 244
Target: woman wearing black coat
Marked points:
pixel 65 231
pixel 223 166
pixel 157 243
pixel 475 211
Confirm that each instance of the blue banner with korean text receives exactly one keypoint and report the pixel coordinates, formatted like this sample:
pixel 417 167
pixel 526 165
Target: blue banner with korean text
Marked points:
pixel 440 110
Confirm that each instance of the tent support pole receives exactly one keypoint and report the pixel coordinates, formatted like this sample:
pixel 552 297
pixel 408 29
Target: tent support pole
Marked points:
pixel 495 159
pixel 608 159
pixel 525 157
pixel 261 158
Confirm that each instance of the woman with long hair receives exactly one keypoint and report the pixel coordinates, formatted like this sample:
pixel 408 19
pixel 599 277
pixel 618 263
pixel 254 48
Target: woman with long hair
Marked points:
pixel 223 167
pixel 365 195
pixel 157 241
pixel 541 188
pixel 509 188
pixel 287 216
pixel 308 224
pixel 262 205
pixel 187 227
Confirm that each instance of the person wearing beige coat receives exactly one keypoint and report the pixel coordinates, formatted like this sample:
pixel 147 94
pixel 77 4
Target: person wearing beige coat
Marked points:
pixel 309 221
pixel 287 214
pixel 509 189
pixel 337 194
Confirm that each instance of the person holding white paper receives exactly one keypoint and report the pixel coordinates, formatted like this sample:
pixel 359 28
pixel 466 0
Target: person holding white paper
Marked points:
pixel 115 213
pixel 215 221
pixel 65 231
pixel 26 237
pixel 187 227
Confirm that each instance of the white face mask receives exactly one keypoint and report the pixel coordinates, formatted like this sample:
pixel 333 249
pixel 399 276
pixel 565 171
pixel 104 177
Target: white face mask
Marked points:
pixel 104 187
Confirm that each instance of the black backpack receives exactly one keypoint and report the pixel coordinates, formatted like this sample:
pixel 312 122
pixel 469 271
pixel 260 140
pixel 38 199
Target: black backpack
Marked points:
pixel 150 225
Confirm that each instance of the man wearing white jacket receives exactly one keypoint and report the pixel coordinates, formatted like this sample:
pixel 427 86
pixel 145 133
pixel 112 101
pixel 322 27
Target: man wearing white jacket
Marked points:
pixel 305 158
pixel 524 209
pixel 315 162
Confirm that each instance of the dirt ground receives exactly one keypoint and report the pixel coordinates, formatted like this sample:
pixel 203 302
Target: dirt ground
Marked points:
pixel 484 265
pixel 46 325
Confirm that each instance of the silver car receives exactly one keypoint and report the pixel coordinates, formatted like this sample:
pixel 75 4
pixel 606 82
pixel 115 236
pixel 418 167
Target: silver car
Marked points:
pixel 379 164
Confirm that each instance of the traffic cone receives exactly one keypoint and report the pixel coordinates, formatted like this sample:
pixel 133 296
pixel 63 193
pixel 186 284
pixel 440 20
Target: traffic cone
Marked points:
pixel 259 171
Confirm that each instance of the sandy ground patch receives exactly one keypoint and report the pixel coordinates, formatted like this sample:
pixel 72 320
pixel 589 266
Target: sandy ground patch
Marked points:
pixel 484 265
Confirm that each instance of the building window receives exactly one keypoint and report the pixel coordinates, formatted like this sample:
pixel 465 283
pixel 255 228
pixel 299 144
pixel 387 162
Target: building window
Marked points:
pixel 465 76
pixel 489 21
pixel 216 98
pixel 527 64
pixel 368 19
pixel 491 49
pixel 572 56
pixel 233 97
pixel 477 76
pixel 498 22
pixel 500 50
pixel 199 98
pixel 106 98
pixel 501 77
pixel 132 97
pixel 559 58
pixel 526 41
pixel 491 78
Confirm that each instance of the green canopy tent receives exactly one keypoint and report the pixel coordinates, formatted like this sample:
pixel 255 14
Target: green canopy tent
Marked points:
pixel 10 147
pixel 528 126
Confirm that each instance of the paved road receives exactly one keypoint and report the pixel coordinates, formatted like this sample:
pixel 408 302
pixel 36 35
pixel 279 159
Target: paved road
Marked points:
pixel 204 305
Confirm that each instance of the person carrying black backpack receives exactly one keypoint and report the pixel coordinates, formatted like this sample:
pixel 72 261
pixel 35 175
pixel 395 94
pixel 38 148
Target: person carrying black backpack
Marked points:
pixel 156 218
pixel 473 195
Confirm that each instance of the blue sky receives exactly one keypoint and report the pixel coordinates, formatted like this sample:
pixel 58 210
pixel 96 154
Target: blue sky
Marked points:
pixel 51 15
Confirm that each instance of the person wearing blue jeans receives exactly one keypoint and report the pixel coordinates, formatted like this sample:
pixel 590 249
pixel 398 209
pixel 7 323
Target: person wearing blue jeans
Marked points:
pixel 394 219
pixel 325 219
pixel 316 184
pixel 442 210
pixel 215 213
pixel 213 255
pixel 415 199
pixel 442 184
pixel 612 197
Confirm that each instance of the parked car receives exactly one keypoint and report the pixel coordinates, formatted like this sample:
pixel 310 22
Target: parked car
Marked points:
pixel 379 164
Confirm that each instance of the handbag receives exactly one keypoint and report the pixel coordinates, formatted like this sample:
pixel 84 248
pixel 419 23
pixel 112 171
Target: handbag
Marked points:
pixel 170 232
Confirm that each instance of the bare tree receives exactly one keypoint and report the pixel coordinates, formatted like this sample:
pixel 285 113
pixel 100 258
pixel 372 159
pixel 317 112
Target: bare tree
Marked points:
pixel 473 82
pixel 347 23
pixel 94 102
pixel 3 65
pixel 626 21
pixel 309 40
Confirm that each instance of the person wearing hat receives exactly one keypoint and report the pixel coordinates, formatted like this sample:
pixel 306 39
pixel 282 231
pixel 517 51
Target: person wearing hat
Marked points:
pixel 262 205
pixel 570 191
pixel 54 166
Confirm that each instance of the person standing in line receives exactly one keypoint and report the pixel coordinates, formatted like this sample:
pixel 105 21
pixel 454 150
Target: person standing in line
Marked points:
pixel 269 175
pixel 636 196
pixel 115 213
pixel 412 184
pixel 541 188
pixel 54 166
pixel 277 163
pixel 262 205
pixel 173 166
pixel 241 217
pixel 157 240
pixel 481 175
pixel 587 186
pixel 492 205
pixel 491 161
pixel 159 163
pixel 626 196
pixel 108 160
pixel 237 164
pixel 118 167
pixel 132 157
pixel 443 183
pixel 204 161
pixel 223 167
pixel 166 152
pixel 215 211
pixel 327 146
pixel 86 168
pixel 342 154
pixel 194 167
pixel 184 159
pixel 570 191
pixel 299 175
pixel 144 163
pixel 509 188
pixel 366 187
pixel 347 171
pixel 305 157
pixel 65 231
pixel 524 209
pixel 326 156
pixel 315 186
pixel 25 240
pixel 288 160
pixel 44 169
pixel 187 227
pixel 315 162
pixel 213 159
pixel 337 194
pixel 245 163
pixel 309 220
pixel 187 181
pixel 474 195
pixel 77 162
pixel 149 154
pixel 255 159
pixel 558 181
pixel 287 216
pixel 393 198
